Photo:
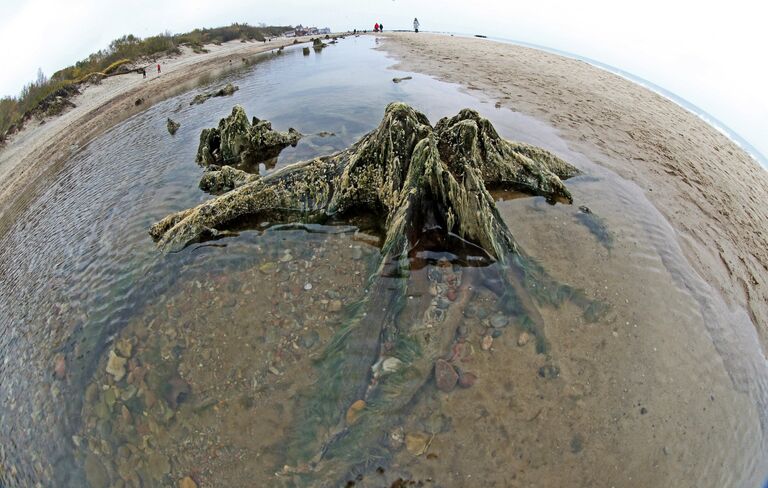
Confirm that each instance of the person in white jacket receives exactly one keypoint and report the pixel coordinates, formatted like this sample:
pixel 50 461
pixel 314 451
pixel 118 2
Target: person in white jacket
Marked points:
pixel 415 24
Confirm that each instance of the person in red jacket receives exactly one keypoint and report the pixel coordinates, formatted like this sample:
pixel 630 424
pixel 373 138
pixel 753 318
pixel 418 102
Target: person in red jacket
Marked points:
pixel 158 68
pixel 376 27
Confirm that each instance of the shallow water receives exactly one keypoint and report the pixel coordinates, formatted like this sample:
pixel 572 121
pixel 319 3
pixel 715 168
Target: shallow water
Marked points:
pixel 666 389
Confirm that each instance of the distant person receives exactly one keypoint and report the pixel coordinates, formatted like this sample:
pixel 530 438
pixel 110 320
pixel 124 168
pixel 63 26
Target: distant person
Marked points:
pixel 143 72
pixel 376 27
pixel 381 27
pixel 158 68
pixel 415 25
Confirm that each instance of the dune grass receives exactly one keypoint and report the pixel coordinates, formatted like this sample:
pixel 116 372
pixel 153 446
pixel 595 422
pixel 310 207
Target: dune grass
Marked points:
pixel 37 95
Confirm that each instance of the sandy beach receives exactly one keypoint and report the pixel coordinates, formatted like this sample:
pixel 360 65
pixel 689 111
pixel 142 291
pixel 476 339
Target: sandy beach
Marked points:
pixel 711 191
pixel 40 149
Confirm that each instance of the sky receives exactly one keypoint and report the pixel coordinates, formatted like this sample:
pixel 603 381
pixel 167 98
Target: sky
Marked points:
pixel 712 54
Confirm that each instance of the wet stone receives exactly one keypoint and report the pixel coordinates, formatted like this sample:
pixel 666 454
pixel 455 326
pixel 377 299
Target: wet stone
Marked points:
pixel 95 472
pixel 334 306
pixel 498 321
pixel 188 482
pixel 116 366
pixel 577 443
pixel 445 375
pixel 309 339
pixel 356 253
pixel 549 371
pixel 523 338
pixel 158 466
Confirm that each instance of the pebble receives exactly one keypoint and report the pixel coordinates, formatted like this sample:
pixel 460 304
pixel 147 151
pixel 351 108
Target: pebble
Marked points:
pixel 390 365
pixel 463 331
pixel 416 442
pixel 158 465
pixel 445 375
pixel 498 321
pixel 467 379
pixel 124 348
pixel 523 338
pixel 268 268
pixel 353 412
pixel 95 472
pixel 187 482
pixel 60 367
pixel 309 339
pixel 486 343
pixel 357 253
pixel 451 295
pixel 116 366
pixel 307 286
pixel 549 371
pixel 496 333
pixel 334 306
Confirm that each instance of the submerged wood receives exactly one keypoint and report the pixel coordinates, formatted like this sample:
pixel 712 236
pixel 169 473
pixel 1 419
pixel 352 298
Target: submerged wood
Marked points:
pixel 417 180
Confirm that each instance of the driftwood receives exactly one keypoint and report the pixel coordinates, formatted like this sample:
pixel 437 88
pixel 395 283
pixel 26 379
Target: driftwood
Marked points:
pixel 429 189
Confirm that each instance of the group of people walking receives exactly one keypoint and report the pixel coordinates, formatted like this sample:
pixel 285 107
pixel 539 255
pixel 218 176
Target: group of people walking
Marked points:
pixel 379 27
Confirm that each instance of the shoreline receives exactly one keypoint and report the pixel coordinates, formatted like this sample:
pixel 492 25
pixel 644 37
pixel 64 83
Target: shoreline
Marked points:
pixel 708 188
pixel 35 154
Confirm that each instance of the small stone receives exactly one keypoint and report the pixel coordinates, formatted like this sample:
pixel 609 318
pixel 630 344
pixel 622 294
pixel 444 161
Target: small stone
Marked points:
pixel 128 393
pixel 268 268
pixel 307 286
pixel 110 398
pixel 523 338
pixel 95 472
pixel 60 367
pixel 416 442
pixel 285 258
pixel 309 339
pixel 357 253
pixel 549 371
pixel 643 411
pixel 157 466
pixel 467 379
pixel 451 295
pixel 391 364
pixel 498 321
pixel 577 443
pixel 334 306
pixel 462 331
pixel 187 482
pixel 496 333
pixel 353 412
pixel 116 366
pixel 445 375
pixel 124 348
pixel 486 343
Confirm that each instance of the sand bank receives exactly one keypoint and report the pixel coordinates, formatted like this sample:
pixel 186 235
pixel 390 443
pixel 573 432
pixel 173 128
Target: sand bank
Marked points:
pixel 40 149
pixel 711 191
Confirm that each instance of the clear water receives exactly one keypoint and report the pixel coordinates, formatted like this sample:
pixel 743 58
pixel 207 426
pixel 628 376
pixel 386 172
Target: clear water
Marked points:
pixel 667 389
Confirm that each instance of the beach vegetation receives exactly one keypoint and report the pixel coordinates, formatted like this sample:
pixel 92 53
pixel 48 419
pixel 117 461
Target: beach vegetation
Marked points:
pixel 124 54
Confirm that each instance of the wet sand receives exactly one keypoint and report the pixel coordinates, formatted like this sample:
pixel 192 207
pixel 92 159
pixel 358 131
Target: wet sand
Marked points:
pixel 711 191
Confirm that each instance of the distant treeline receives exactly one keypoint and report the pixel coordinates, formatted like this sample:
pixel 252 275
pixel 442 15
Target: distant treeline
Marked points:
pixel 41 96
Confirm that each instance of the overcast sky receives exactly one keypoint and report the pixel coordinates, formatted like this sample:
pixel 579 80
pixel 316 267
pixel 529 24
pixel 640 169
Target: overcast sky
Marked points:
pixel 711 54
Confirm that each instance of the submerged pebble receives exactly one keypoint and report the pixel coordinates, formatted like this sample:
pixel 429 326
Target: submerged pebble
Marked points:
pixel 116 366
pixel 498 321
pixel 445 375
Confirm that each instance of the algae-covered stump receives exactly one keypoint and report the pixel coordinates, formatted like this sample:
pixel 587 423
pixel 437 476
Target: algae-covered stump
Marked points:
pixel 429 188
